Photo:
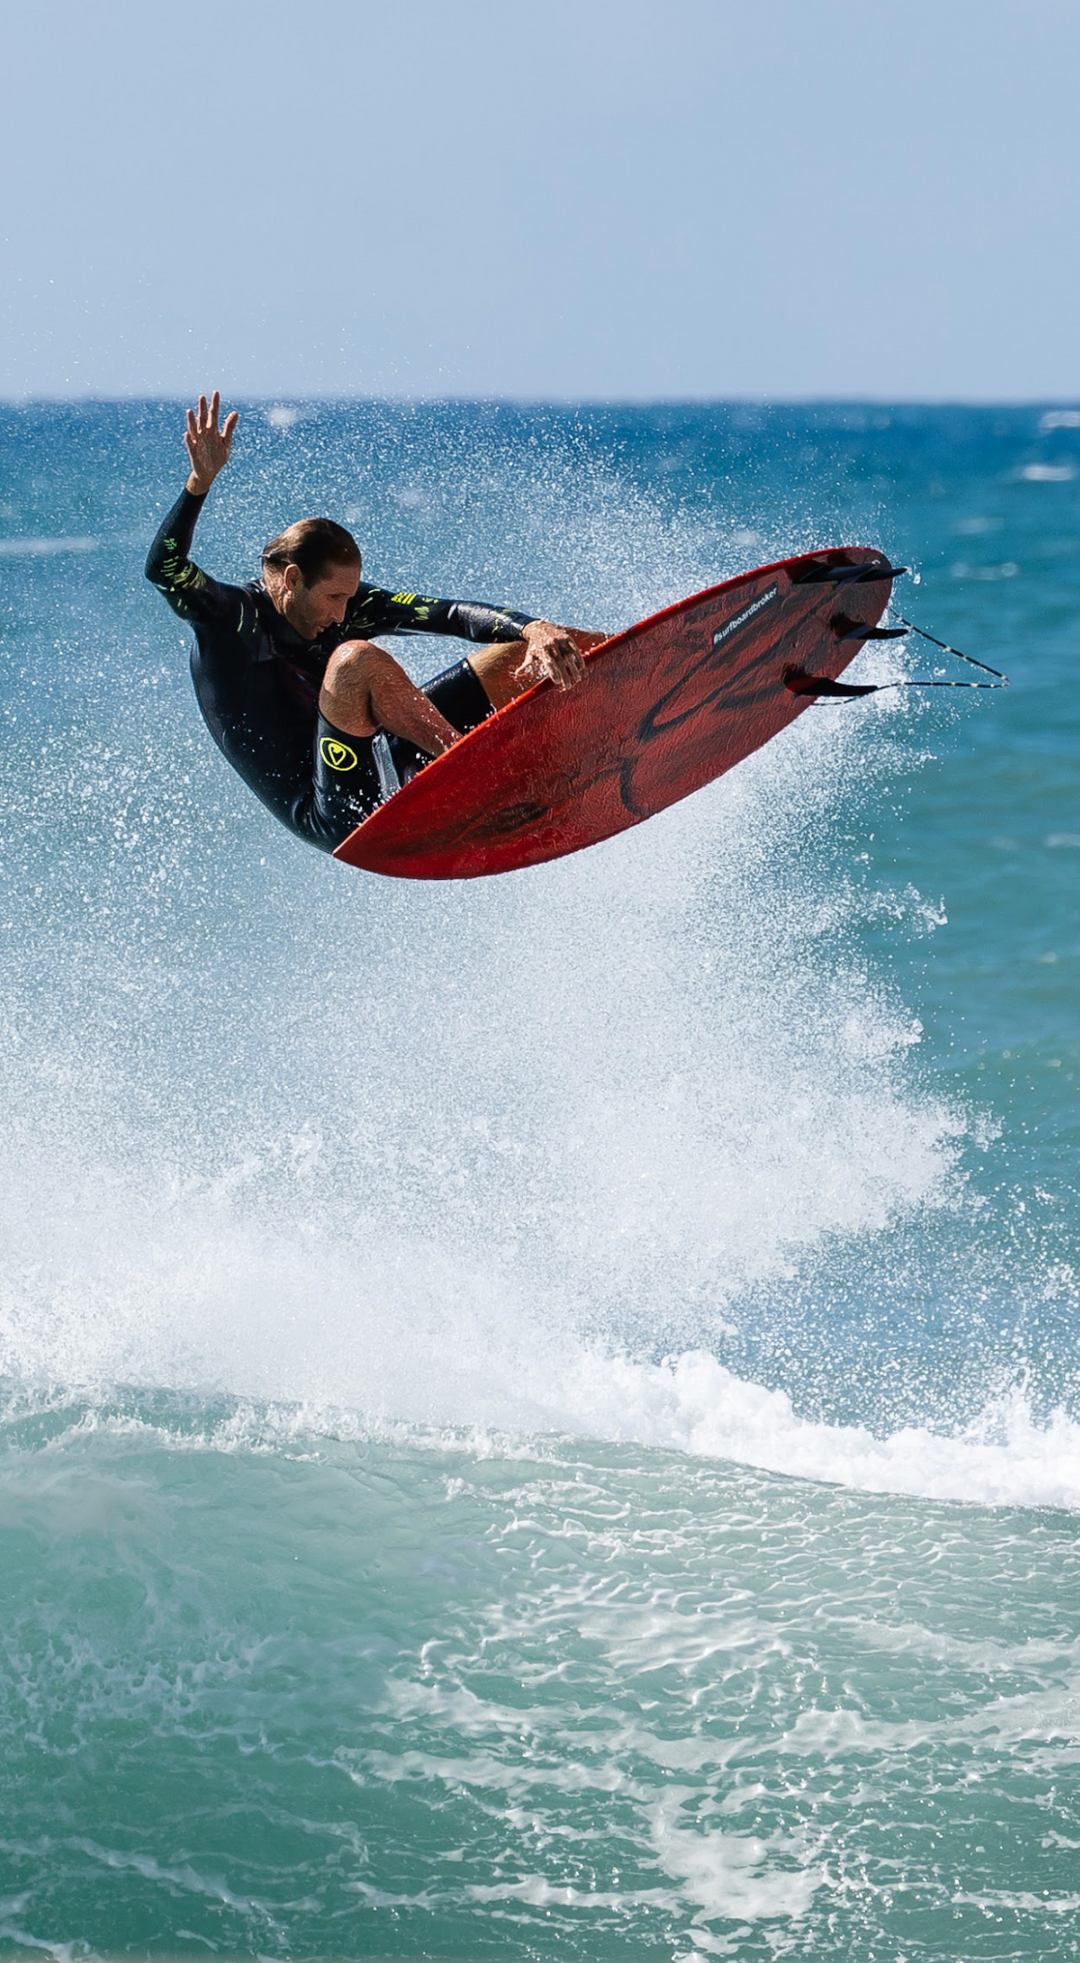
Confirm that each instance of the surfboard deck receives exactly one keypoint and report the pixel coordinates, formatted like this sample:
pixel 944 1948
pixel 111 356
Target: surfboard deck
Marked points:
pixel 662 709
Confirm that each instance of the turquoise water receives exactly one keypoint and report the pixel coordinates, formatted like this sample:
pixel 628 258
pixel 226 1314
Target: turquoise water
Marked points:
pixel 540 1418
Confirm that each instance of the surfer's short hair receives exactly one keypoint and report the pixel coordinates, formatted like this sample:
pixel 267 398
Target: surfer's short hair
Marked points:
pixel 312 544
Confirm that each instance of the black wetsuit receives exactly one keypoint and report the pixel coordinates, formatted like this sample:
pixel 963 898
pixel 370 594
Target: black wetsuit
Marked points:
pixel 257 683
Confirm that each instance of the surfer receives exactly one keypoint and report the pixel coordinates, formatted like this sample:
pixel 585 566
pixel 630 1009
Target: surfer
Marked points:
pixel 317 720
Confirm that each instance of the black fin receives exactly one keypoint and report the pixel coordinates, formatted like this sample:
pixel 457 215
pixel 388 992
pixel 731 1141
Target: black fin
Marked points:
pixel 857 630
pixel 800 683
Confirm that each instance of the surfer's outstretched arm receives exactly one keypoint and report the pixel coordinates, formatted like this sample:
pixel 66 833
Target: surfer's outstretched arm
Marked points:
pixel 169 566
pixel 208 447
pixel 189 591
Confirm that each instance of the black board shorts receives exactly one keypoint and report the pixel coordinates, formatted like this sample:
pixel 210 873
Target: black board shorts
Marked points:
pixel 353 775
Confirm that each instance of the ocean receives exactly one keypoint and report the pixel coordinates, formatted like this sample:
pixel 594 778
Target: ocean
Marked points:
pixel 540 1417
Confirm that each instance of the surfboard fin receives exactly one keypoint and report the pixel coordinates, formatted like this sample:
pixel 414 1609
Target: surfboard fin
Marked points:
pixel 846 629
pixel 800 683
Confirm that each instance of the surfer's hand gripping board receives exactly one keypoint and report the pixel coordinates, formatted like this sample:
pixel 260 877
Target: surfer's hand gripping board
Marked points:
pixel 660 710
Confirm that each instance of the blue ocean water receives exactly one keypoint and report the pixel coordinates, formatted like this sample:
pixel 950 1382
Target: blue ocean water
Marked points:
pixel 540 1418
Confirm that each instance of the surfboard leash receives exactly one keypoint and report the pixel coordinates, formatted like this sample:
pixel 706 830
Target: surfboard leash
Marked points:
pixel 801 683
pixel 856 632
pixel 1000 680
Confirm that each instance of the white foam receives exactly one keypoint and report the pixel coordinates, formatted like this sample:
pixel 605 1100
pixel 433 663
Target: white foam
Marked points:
pixel 654 1079
pixel 692 1403
pixel 436 1352
pixel 739 1877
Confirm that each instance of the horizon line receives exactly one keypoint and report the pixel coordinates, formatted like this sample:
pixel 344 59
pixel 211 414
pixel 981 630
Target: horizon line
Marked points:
pixel 287 398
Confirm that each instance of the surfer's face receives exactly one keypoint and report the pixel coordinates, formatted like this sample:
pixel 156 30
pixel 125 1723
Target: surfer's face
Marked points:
pixel 312 609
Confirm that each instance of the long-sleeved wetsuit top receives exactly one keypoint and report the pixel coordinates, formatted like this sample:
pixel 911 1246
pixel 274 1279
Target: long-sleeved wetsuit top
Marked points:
pixel 257 681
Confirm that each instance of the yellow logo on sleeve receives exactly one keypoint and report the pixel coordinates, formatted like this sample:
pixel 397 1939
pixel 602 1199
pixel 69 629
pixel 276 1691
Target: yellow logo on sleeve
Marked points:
pixel 337 755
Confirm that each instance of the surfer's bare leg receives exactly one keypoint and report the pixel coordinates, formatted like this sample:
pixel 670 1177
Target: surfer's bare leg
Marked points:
pixel 365 689
pixel 505 669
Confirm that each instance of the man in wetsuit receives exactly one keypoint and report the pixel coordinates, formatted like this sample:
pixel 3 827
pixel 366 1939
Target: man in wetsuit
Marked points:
pixel 320 723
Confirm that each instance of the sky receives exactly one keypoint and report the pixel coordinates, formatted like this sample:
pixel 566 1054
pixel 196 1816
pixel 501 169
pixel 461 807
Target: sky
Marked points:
pixel 580 200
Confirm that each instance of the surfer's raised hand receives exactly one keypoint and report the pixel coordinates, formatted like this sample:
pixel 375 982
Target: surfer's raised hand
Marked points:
pixel 207 446
pixel 555 652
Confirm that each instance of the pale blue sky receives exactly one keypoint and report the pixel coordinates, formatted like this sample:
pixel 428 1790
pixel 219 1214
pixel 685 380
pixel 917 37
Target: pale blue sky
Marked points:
pixel 580 199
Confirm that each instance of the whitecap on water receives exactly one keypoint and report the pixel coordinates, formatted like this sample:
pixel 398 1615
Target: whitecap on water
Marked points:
pixel 1008 569
pixel 43 548
pixel 1047 473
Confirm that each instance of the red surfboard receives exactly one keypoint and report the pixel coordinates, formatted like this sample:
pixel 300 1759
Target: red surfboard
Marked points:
pixel 662 709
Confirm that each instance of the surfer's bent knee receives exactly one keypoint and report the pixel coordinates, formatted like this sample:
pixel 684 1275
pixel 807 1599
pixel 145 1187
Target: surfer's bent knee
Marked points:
pixel 353 663
pixel 345 696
